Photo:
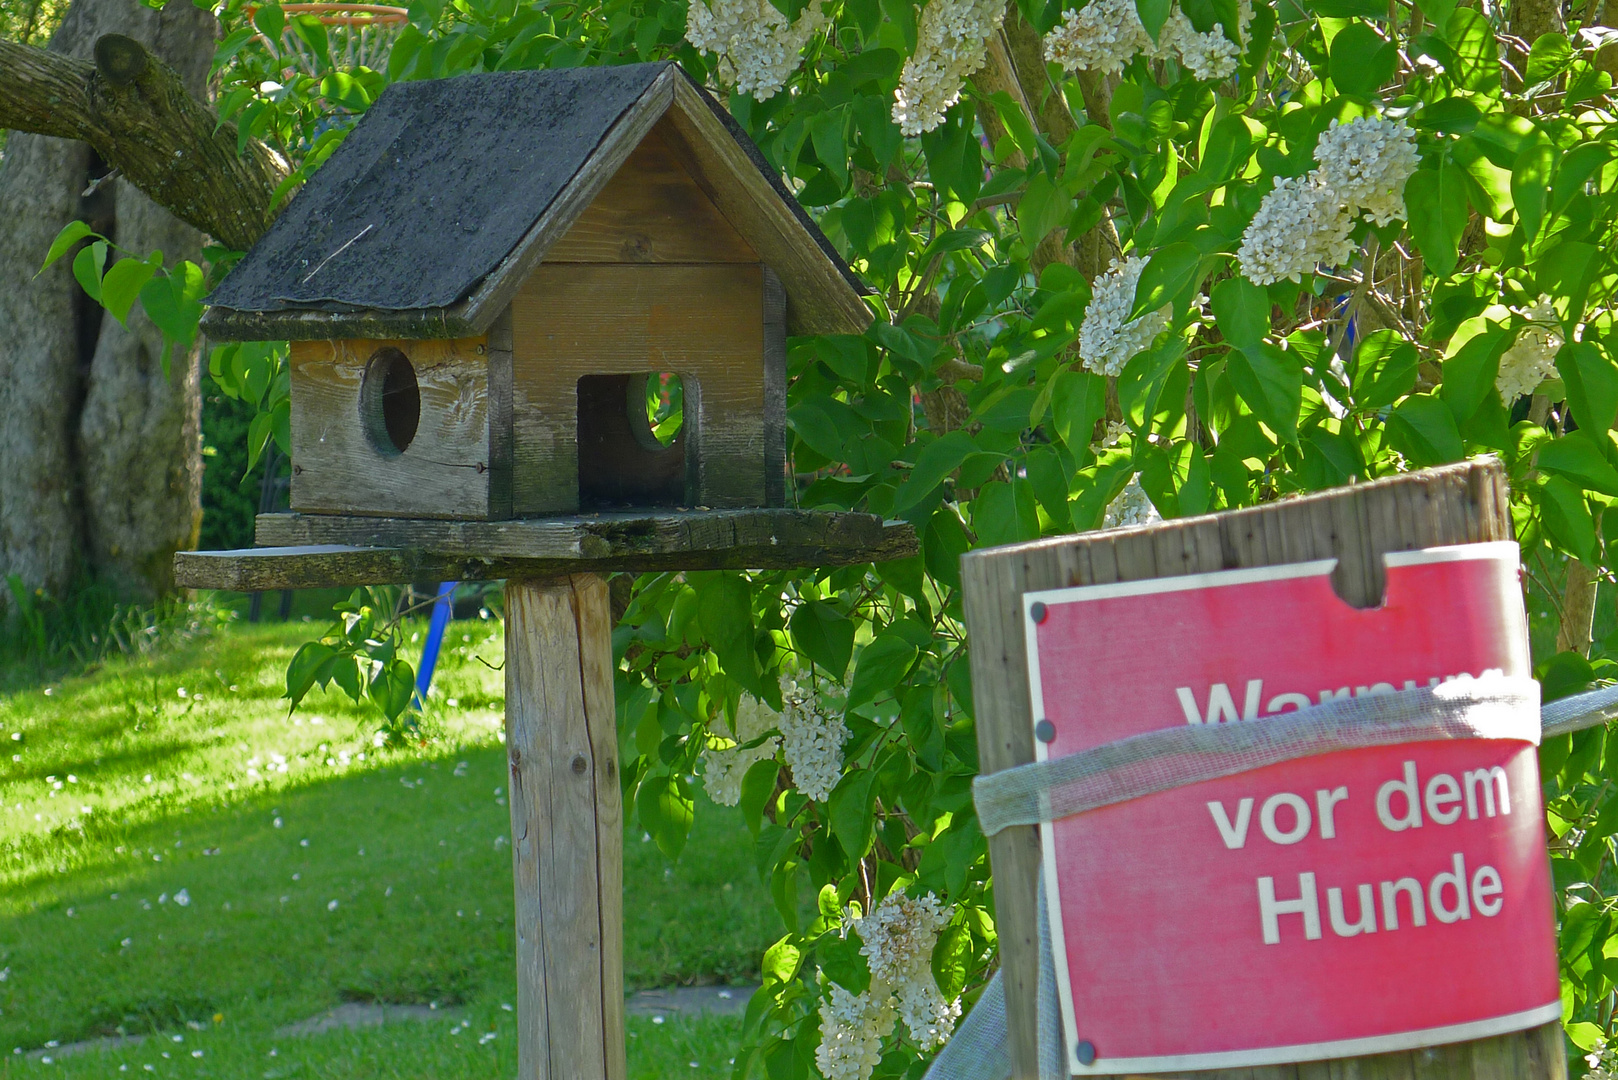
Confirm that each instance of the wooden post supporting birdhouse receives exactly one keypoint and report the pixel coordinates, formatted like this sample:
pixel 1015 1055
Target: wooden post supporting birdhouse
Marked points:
pixel 1175 958
pixel 502 292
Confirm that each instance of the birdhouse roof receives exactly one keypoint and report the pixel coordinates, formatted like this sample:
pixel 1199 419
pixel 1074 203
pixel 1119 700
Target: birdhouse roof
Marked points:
pixel 448 193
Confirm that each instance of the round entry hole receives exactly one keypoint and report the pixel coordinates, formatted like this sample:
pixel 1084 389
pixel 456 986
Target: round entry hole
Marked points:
pixel 390 401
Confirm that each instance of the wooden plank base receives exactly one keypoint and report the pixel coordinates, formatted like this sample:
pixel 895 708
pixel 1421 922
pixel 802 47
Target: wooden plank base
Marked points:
pixel 1357 525
pixel 303 551
pixel 566 829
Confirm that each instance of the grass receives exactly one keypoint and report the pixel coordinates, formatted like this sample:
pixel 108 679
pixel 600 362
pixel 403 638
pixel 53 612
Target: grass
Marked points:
pixel 178 857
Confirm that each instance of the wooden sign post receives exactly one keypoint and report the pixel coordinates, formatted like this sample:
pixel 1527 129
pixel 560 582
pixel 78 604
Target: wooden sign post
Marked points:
pixel 1357 526
pixel 490 289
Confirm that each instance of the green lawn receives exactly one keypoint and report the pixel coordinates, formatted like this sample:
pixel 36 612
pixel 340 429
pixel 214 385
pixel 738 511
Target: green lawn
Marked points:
pixel 178 856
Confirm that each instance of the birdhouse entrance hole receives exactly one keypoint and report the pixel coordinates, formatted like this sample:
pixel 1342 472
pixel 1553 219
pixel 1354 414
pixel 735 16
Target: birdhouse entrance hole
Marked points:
pixel 633 433
pixel 390 402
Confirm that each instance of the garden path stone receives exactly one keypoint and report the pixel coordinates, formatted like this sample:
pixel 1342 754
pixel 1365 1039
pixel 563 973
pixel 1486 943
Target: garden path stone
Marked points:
pixel 690 1001
pixel 111 1042
pixel 364 1014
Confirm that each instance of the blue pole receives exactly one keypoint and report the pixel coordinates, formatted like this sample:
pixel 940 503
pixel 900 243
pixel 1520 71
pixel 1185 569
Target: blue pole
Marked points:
pixel 442 607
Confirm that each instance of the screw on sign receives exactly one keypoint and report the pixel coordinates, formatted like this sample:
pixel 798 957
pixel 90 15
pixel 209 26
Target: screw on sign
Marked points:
pixel 1383 904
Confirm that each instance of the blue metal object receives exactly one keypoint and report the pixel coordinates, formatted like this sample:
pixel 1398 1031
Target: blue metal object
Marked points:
pixel 442 608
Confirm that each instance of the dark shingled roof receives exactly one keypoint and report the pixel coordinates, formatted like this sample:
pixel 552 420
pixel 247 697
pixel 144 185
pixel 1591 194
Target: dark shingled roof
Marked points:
pixel 437 184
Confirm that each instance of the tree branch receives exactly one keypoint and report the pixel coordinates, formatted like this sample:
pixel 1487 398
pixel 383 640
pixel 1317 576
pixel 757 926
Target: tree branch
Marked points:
pixel 133 110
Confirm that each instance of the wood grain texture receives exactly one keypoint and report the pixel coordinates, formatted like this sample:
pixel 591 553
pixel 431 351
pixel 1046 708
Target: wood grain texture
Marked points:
pixel 705 323
pixel 652 211
pixel 775 390
pixel 1462 503
pixel 446 471
pixel 819 300
pixel 566 829
pixel 719 539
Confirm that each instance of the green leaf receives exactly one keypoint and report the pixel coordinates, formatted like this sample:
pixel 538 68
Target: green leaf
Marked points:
pixel 1242 311
pixel 1471 36
pixel 725 616
pixel 816 429
pixel 1531 176
pixel 305 668
pixel 952 960
pixel 1470 374
pixel 1591 379
pixel 666 809
pixel 1579 457
pixel 851 813
pixel 1153 14
pixel 1043 207
pixel 1078 400
pixel 1271 382
pixel 881 668
pixel 71 234
pixel 1436 199
pixel 828 132
pixel 933 465
pixel 271 21
pixel 1142 380
pixel 1584 1034
pixel 1362 60
pixel 1171 271
pixel 1566 514
pixel 825 635
pixel 1384 371
pixel 87 267
pixel 258 436
pixel 781 961
pixel 1549 57
pixel 392 686
pixel 122 285
pixel 758 784
pixel 1423 429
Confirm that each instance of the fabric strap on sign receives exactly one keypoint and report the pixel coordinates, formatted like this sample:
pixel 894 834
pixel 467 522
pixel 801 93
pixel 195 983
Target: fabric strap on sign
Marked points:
pixel 1491 707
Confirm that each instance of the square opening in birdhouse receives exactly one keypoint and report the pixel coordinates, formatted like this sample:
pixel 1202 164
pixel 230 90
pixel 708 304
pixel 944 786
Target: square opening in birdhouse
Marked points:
pixel 634 430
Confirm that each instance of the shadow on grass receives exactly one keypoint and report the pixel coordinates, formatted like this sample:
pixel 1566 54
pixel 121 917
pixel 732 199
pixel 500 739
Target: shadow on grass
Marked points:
pixel 388 883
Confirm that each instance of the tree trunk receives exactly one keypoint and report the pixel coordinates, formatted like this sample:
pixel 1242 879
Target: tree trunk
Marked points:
pixel 100 455
pixel 1578 609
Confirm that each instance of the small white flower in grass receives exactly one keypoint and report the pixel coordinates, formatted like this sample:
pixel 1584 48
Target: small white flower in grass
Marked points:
pixel 196 1053
pixel 1132 507
pixel 45 1061
pixel 183 898
pixel 1300 224
pixel 811 739
pixel 178 1038
pixel 757 46
pixel 951 44
pixel 1366 162
pixel 725 765
pixel 657 1019
pixel 1108 337
pixel 332 906
pixel 1531 359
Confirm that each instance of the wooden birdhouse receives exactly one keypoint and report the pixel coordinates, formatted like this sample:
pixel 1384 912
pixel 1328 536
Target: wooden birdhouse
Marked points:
pixel 497 280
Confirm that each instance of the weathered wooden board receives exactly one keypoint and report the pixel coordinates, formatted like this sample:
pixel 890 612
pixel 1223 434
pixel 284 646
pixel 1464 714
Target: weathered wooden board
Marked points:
pixel 566 829
pixel 1463 503
pixel 704 323
pixel 453 467
pixel 325 551
pixel 820 301
pixel 652 211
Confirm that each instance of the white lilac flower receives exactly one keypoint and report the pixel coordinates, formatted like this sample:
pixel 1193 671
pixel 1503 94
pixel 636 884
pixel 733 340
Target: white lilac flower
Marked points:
pixel 1531 359
pixel 897 938
pixel 1209 56
pixel 1366 162
pixel 1300 224
pixel 1132 507
pixel 951 43
pixel 758 48
pixel 725 765
pixel 852 1027
pixel 1106 340
pixel 1103 36
pixel 1603 1061
pixel 811 740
